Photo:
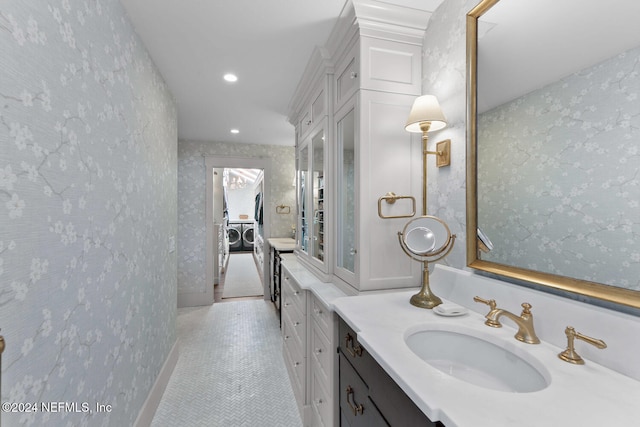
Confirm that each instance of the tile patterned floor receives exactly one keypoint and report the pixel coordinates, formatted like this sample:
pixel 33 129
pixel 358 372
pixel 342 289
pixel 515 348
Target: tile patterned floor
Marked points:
pixel 230 371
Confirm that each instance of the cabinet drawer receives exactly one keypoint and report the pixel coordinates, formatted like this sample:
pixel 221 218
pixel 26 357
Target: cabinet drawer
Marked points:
pixel 296 368
pixel 391 400
pixel 317 107
pixel 323 316
pixel 292 294
pixel 321 403
pixel 321 354
pixel 294 327
pixel 355 353
pixel 347 79
pixel 355 404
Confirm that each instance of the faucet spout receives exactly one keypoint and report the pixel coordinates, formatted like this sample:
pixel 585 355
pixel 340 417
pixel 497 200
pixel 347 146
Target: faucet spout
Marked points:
pixel 526 332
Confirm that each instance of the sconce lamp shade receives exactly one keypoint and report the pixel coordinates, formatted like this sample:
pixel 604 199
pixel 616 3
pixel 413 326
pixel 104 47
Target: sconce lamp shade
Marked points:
pixel 425 109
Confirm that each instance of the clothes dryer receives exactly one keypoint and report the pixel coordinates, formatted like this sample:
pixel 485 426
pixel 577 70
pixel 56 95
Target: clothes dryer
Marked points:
pixel 247 237
pixel 234 231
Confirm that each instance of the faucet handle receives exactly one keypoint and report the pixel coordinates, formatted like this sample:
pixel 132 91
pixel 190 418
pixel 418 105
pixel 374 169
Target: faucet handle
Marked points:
pixel 570 355
pixel 526 308
pixel 491 303
pixel 491 321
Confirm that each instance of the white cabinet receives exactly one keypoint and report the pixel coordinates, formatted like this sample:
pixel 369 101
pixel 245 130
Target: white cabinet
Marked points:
pixel 294 335
pixel 357 92
pixel 377 52
pixel 310 339
pixel 311 113
pixel 323 369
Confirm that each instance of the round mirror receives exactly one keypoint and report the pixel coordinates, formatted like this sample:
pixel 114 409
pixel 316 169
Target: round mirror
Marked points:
pixel 420 240
pixel 426 236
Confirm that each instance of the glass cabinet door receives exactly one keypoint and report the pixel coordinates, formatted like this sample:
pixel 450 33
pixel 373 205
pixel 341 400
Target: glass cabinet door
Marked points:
pixel 318 229
pixel 303 175
pixel 346 225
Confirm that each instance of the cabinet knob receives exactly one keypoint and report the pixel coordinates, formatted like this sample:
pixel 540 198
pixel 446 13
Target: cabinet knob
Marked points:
pixel 318 350
pixel 296 364
pixel 296 323
pixel 309 122
pixel 353 75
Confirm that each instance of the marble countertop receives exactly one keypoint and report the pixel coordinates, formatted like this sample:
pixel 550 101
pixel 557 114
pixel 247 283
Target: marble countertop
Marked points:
pixel 326 292
pixel 578 395
pixel 282 243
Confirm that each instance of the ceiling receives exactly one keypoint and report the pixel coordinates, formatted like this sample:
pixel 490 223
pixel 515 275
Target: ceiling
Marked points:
pixel 266 43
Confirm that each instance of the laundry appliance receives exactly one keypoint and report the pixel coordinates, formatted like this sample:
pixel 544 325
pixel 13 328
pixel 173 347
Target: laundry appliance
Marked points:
pixel 247 236
pixel 234 231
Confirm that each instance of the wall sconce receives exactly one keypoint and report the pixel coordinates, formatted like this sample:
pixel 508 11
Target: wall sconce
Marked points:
pixel 426 116
pixel 427 238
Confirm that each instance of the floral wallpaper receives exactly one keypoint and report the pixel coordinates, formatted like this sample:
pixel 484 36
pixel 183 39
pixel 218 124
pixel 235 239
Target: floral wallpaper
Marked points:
pixel 444 71
pixel 559 187
pixel 191 200
pixel 88 177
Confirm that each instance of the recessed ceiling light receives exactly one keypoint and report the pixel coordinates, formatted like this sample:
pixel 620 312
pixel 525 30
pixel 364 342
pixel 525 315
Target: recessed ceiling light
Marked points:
pixel 230 77
pixel 235 131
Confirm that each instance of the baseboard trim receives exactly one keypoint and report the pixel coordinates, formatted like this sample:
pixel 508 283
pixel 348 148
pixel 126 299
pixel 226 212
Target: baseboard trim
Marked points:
pixel 148 410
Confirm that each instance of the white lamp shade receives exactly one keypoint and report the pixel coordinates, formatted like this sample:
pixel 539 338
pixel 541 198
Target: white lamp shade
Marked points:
pixel 425 109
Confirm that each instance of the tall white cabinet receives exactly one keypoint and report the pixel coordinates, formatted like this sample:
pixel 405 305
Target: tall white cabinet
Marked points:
pixel 369 72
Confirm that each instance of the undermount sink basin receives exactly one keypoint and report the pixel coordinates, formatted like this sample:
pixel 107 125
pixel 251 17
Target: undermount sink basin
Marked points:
pixel 479 361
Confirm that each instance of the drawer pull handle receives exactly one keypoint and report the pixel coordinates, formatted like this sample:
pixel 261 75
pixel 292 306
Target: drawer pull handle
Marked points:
pixel 354 406
pixel 357 350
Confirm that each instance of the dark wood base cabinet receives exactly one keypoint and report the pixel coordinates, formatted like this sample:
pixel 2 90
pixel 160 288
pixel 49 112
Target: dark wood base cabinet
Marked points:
pixel 368 395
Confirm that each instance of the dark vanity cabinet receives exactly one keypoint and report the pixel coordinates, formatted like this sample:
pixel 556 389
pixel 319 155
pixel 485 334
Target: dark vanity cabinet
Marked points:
pixel 368 395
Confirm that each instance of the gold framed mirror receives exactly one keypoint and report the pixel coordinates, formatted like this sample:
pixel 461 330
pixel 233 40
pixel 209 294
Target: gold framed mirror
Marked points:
pixel 521 250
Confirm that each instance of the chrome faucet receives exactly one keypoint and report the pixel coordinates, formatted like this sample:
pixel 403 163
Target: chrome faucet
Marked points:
pixel 526 332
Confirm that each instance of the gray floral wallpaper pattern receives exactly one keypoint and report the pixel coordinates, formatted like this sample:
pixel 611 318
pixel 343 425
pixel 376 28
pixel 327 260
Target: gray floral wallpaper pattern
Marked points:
pixel 88 183
pixel 191 200
pixel 444 71
pixel 559 184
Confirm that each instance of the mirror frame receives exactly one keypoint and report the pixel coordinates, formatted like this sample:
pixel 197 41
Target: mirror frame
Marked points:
pixel 600 291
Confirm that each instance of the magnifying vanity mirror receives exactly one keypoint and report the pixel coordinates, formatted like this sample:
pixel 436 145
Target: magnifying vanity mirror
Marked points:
pixel 553 149
pixel 426 239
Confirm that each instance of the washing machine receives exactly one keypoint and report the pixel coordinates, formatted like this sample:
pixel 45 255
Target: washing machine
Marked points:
pixel 247 237
pixel 234 232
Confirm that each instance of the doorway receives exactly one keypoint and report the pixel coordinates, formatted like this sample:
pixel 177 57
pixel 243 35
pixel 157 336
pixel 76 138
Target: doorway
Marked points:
pixel 238 221
pixel 253 231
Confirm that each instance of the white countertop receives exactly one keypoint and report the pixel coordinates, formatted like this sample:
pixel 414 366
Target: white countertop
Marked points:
pixel 326 292
pixel 578 395
pixel 282 243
